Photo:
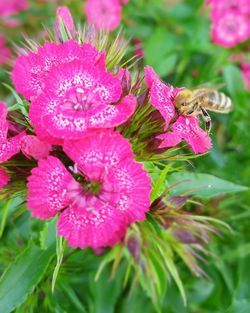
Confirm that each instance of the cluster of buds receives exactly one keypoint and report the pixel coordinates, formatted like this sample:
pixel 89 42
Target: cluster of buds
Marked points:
pixel 230 21
pixel 81 134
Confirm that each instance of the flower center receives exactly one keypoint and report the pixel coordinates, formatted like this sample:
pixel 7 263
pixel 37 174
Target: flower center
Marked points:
pixel 79 100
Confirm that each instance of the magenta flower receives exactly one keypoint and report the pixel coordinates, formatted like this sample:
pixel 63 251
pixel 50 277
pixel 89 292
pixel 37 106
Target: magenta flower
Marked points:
pixel 63 15
pixel 183 127
pixel 8 146
pixel 70 91
pixel 79 97
pixel 4 178
pixel 32 147
pixel 4 51
pixel 103 14
pixel 230 28
pixel 110 190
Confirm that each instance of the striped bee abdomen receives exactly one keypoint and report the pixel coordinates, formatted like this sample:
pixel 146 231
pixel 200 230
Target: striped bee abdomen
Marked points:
pixel 218 102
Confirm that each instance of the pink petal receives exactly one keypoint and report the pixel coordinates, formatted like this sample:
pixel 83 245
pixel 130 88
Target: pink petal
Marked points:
pixel 47 188
pixel 3 121
pixel 4 178
pixel 134 186
pixel 188 128
pixel 170 139
pixel 98 151
pixel 31 146
pixel 97 224
pixel 41 130
pixel 10 147
pixel 161 95
pixel 113 115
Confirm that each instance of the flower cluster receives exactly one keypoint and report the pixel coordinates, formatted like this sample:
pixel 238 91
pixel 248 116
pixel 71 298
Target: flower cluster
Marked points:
pixel 104 14
pixel 230 21
pixel 80 161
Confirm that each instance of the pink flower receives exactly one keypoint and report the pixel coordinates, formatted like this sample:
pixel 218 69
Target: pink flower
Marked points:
pixel 31 146
pixel 110 190
pixel 246 74
pixel 4 178
pixel 230 28
pixel 104 14
pixel 71 91
pixel 11 7
pixel 185 127
pixel 78 97
pixel 4 51
pixel 63 15
pixel 8 146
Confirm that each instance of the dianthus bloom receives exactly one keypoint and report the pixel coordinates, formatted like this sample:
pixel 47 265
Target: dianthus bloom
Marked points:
pixel 104 14
pixel 230 29
pixel 8 146
pixel 71 91
pixel 182 127
pixel 4 51
pixel 107 192
pixel 230 21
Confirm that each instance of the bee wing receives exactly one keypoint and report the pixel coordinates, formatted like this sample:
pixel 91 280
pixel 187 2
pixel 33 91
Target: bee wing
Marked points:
pixel 207 86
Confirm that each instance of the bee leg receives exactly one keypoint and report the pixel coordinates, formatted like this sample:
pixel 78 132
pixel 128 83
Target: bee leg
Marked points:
pixel 207 119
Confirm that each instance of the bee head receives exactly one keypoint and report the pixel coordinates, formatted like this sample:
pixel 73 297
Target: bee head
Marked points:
pixel 182 98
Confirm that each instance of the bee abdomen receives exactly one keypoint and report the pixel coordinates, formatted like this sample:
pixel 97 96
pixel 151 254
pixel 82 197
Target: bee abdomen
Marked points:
pixel 218 102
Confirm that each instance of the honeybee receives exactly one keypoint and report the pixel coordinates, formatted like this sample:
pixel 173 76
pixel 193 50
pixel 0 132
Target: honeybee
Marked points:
pixel 192 102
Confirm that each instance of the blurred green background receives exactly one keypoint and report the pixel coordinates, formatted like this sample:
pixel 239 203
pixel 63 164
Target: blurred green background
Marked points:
pixel 176 42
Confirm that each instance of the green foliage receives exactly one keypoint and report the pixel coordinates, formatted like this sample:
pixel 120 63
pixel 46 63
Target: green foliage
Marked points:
pixel 176 41
pixel 23 275
pixel 202 185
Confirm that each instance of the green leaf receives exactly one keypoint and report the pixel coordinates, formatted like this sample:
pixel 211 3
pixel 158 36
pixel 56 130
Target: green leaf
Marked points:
pixel 60 246
pixel 23 275
pixel 202 185
pixel 20 103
